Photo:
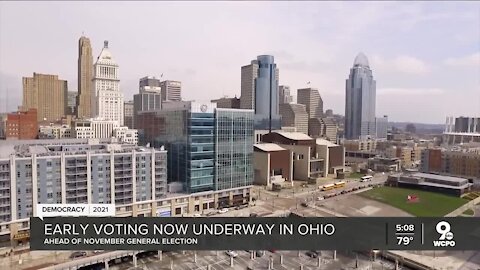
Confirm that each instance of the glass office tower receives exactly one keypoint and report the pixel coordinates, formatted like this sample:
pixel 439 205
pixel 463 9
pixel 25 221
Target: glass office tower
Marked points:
pixel 260 92
pixel 360 100
pixel 266 95
pixel 208 148
pixel 233 148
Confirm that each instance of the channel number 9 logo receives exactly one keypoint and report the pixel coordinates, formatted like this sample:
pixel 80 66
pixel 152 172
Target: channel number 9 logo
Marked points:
pixel 444 229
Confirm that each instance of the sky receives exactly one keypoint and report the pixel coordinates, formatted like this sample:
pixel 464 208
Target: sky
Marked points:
pixel 425 56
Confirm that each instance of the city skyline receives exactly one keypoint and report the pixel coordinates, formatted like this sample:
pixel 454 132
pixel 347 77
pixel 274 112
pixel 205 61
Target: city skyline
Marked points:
pixel 208 60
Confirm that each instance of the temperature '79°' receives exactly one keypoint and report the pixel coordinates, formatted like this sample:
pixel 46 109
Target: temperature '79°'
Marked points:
pixel 404 240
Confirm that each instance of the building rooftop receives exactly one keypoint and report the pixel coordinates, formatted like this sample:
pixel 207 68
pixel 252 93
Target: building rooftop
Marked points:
pixel 295 108
pixel 361 60
pixel 462 134
pixel 328 121
pixel 432 176
pixel 464 186
pixel 439 177
pixel 268 147
pixel 325 142
pixel 105 57
pixel 25 148
pixel 297 136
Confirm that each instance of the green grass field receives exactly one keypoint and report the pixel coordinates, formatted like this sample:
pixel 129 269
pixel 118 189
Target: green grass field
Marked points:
pixel 468 212
pixel 430 204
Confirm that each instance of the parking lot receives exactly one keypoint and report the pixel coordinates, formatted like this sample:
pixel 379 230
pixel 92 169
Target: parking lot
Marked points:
pixel 219 261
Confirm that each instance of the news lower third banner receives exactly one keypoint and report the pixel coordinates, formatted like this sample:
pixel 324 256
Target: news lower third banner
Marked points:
pixel 292 233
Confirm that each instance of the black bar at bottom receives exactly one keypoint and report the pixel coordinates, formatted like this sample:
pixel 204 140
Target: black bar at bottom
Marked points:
pixel 287 233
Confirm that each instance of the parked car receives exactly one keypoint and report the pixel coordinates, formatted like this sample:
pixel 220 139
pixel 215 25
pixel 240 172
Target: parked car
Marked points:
pixel 312 254
pixel 197 215
pixel 231 253
pixel 253 215
pixel 223 210
pixel 78 254
pixel 320 198
pixel 304 204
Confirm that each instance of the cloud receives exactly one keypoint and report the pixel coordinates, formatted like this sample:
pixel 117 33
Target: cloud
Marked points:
pixel 408 64
pixel 410 91
pixel 465 61
pixel 403 63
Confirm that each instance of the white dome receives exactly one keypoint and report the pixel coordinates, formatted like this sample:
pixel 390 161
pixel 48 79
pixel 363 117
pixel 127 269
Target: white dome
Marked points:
pixel 361 60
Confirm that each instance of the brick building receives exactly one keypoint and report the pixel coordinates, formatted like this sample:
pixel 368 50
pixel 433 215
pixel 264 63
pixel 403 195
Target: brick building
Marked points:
pixel 22 125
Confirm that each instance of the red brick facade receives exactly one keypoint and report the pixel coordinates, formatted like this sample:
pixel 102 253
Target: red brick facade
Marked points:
pixel 22 125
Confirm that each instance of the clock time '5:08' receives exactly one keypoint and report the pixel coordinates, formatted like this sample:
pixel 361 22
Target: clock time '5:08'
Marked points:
pixel 405 227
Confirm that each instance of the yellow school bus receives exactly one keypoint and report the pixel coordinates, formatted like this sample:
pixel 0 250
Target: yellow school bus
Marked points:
pixel 339 184
pixel 328 187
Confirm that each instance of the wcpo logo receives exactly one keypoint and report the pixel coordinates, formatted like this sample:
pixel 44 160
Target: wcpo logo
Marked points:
pixel 446 235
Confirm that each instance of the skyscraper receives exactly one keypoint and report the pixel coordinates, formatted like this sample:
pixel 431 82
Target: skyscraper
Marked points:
pixel 85 76
pixel 47 94
pixel 149 97
pixel 323 128
pixel 360 100
pixel 310 97
pixel 108 99
pixel 247 85
pixel 294 115
pixel 72 102
pixel 259 89
pixel 171 90
pixel 149 81
pixel 128 113
pixel 284 94
pixel 382 127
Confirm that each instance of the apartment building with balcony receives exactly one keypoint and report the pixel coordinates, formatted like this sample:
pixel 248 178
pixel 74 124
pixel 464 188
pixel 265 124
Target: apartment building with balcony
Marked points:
pixel 75 171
